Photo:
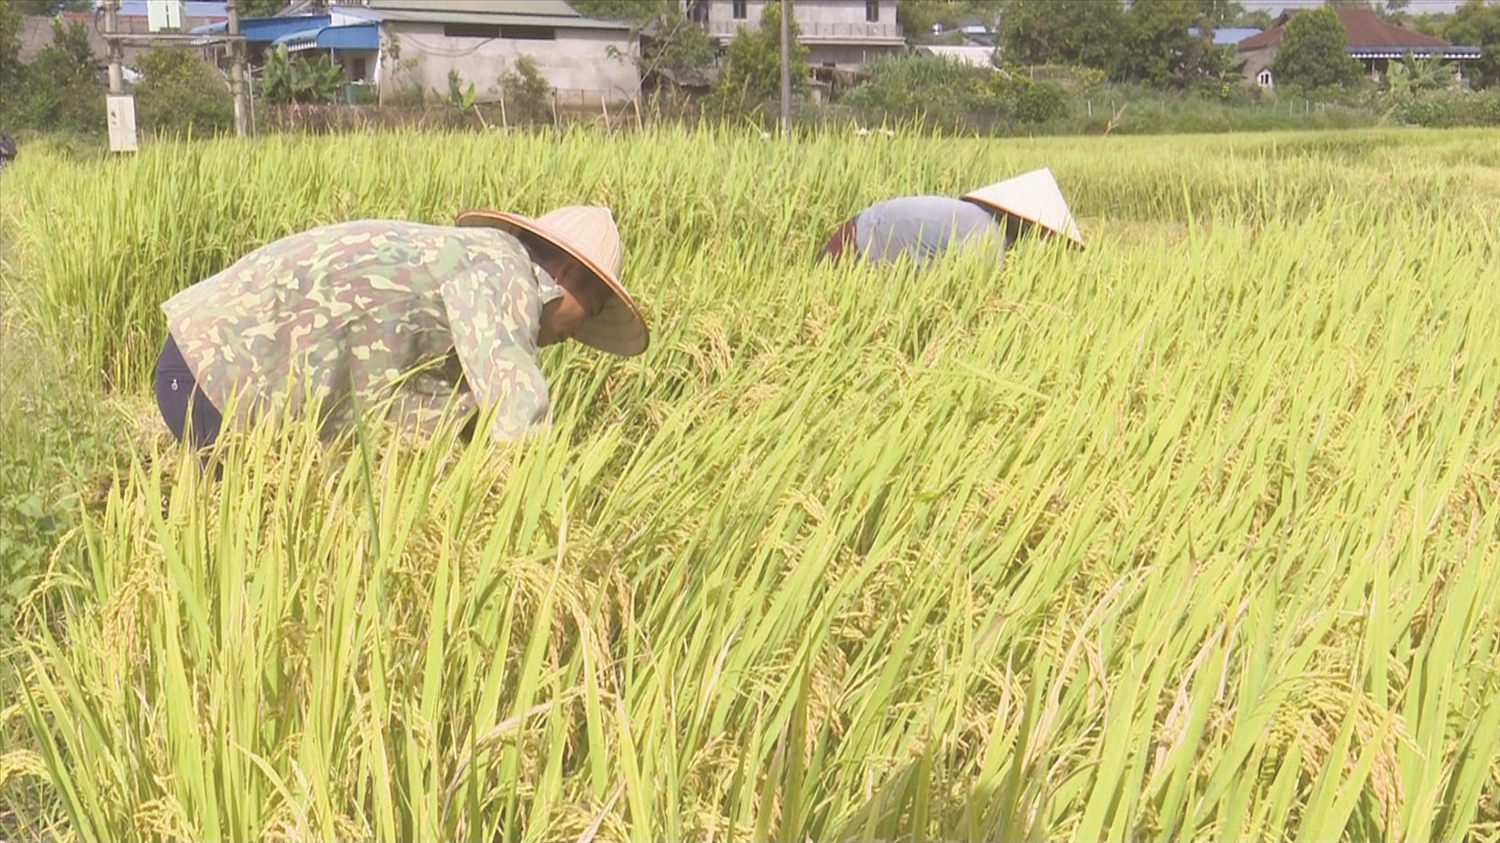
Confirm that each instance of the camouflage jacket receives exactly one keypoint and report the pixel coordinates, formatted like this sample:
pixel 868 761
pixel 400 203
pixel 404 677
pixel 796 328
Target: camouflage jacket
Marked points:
pixel 328 321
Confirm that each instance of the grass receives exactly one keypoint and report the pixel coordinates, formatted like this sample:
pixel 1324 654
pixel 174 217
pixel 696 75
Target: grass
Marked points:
pixel 1191 535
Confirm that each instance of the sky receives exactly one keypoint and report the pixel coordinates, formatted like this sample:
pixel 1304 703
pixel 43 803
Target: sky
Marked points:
pixel 1414 7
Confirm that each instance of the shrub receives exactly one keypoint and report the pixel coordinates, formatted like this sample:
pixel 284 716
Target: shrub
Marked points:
pixel 180 92
pixel 527 90
pixel 300 79
pixel 1446 109
pixel 946 92
pixel 60 89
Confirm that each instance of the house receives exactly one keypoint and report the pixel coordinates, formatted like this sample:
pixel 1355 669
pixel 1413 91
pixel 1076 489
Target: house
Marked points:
pixel 839 34
pixel 413 44
pixel 132 17
pixel 353 49
pixel 1371 40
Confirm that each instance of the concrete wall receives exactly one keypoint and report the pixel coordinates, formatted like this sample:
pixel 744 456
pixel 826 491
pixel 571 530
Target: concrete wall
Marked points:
pixel 847 55
pixel 1255 62
pixel 818 19
pixel 578 64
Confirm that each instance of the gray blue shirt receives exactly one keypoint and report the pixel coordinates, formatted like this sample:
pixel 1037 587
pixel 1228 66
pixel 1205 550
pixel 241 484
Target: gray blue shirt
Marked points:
pixel 922 227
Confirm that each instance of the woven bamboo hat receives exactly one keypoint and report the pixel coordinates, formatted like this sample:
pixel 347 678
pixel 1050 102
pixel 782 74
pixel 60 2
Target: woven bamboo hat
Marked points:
pixel 587 233
pixel 1033 197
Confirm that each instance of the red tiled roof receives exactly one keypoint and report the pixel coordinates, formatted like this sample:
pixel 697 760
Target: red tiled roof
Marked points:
pixel 1363 30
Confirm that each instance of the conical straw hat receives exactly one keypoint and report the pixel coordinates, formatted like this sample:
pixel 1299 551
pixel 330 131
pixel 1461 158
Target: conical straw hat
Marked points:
pixel 588 234
pixel 1033 197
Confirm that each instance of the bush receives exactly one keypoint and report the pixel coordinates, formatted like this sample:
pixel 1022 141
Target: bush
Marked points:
pixel 181 93
pixel 941 91
pixel 527 90
pixel 1039 102
pixel 1447 109
pixel 300 79
pixel 60 89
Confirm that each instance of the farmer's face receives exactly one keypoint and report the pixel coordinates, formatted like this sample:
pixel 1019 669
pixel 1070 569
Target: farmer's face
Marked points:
pixel 582 299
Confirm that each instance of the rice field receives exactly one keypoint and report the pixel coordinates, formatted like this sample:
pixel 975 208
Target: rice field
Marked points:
pixel 1192 535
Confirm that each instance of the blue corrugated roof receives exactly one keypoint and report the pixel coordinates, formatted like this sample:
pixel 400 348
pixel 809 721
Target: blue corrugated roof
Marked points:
pixel 303 37
pixel 268 30
pixel 1228 35
pixel 358 37
pixel 1233 35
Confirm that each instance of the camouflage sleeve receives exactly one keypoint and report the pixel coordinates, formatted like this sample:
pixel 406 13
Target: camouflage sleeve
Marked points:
pixel 493 313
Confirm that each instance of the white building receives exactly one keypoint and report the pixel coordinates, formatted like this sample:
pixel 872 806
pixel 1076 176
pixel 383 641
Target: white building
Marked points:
pixel 837 33
pixel 585 61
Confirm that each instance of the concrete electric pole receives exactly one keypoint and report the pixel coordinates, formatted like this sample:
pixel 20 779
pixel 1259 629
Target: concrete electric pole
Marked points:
pixel 236 67
pixel 786 69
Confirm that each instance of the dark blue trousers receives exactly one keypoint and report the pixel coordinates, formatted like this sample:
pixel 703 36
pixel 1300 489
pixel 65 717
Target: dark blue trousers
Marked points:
pixel 187 411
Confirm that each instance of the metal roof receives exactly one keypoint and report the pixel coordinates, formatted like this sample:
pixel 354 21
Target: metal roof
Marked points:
pixel 973 56
pixel 267 30
pixel 299 39
pixel 1368 36
pixel 554 13
pixel 358 37
pixel 1233 35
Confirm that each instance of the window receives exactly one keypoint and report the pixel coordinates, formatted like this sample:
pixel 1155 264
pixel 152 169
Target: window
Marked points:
pixel 872 11
pixel 1264 79
pixel 470 30
pixel 529 33
pixel 485 30
pixel 357 69
pixel 738 10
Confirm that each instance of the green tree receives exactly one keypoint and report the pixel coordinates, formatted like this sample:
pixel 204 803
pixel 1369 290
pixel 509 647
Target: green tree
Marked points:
pixel 917 17
pixel 1085 32
pixel 12 73
pixel 1477 24
pixel 1312 52
pixel 1219 13
pixel 1158 48
pixel 31 8
pixel 260 8
pixel 179 91
pixel 61 89
pixel 528 90
pixel 668 40
pixel 1259 18
pixel 751 73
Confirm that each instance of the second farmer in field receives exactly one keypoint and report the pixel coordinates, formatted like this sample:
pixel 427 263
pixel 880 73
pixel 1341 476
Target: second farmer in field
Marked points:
pixel 434 319
pixel 921 228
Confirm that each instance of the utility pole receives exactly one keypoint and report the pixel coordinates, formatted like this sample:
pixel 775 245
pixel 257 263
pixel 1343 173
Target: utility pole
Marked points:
pixel 786 69
pixel 236 66
pixel 119 108
pixel 111 27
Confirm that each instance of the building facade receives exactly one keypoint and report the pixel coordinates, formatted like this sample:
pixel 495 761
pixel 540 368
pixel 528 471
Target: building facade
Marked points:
pixel 1370 40
pixel 837 33
pixel 586 62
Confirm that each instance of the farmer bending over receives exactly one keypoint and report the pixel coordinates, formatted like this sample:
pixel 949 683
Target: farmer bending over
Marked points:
pixel 923 227
pixel 430 316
